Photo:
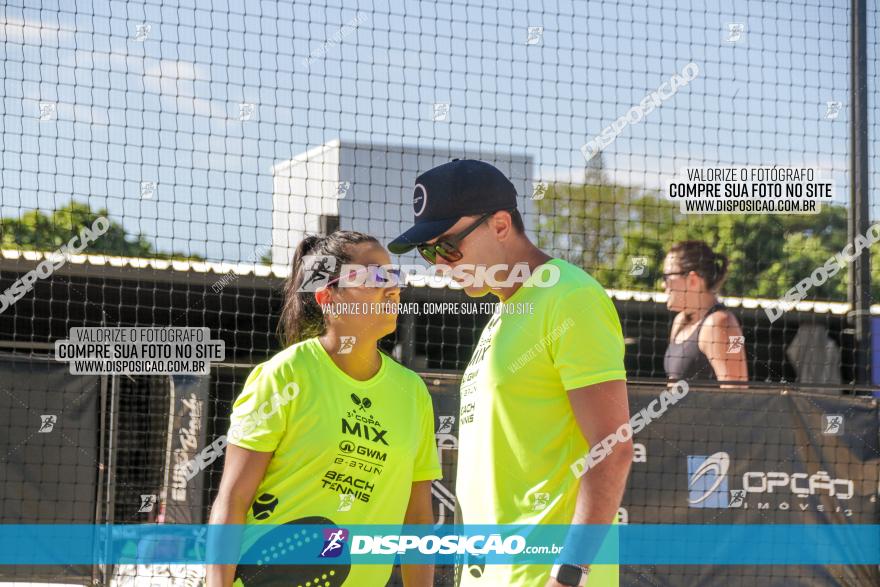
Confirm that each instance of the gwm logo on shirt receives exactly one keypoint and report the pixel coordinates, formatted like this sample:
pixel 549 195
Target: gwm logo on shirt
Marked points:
pixel 348 447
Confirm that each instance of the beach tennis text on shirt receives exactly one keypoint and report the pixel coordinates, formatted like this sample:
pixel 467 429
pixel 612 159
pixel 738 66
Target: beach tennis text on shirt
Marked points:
pixel 140 351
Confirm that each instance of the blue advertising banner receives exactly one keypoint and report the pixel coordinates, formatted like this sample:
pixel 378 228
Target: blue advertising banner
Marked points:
pixel 297 544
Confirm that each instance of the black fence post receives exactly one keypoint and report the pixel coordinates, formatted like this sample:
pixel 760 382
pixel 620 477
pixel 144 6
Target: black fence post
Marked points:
pixel 859 293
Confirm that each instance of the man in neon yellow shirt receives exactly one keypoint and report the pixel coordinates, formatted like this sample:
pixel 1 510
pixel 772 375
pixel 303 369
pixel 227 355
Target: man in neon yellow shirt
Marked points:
pixel 541 388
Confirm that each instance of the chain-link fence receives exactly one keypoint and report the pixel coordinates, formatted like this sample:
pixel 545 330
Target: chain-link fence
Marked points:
pixel 160 163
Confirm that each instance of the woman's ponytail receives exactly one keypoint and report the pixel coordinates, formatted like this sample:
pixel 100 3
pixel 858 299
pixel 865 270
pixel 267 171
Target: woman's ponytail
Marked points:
pixel 697 256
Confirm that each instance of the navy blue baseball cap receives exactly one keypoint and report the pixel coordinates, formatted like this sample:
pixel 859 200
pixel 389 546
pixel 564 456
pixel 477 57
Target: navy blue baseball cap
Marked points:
pixel 444 194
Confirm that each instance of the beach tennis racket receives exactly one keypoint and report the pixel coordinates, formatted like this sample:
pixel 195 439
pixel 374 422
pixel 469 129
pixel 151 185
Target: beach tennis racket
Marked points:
pixel 329 571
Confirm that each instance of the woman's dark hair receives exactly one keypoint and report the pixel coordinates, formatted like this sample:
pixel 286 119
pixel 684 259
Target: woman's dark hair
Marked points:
pixel 699 257
pixel 301 316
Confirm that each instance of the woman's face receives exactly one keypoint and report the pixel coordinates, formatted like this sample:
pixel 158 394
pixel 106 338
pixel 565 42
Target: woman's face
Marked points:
pixel 682 289
pixel 368 308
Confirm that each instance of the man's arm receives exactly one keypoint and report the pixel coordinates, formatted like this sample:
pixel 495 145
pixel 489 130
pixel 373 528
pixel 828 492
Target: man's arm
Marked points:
pixel 419 511
pixel 600 410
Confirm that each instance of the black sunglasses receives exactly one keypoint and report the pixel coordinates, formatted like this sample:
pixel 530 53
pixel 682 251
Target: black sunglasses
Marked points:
pixel 447 247
pixel 666 276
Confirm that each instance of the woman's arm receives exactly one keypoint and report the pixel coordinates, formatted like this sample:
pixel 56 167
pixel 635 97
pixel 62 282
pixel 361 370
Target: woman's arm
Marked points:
pixel 722 343
pixel 242 473
pixel 419 511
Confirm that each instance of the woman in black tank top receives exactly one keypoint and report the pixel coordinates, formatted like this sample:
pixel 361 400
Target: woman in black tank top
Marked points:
pixel 706 341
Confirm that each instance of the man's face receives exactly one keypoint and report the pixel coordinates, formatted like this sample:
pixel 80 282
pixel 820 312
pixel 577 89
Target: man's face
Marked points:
pixel 482 247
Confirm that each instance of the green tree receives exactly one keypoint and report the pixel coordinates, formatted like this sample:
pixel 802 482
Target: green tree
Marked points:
pixel 47 232
pixel 582 223
pixel 645 234
pixel 604 227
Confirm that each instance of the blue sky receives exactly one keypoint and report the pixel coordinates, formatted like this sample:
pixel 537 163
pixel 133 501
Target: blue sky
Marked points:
pixel 166 108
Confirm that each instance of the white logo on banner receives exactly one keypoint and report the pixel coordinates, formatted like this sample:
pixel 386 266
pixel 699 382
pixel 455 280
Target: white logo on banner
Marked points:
pixel 718 464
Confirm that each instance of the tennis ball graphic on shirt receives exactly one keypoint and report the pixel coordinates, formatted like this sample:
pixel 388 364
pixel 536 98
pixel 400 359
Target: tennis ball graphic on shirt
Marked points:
pixel 264 506
pixel 476 569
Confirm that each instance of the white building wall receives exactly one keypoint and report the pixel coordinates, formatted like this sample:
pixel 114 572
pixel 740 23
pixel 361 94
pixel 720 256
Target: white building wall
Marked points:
pixel 378 198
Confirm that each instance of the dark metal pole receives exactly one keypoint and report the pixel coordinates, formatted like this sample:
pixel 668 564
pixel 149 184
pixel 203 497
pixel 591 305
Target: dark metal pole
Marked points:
pixel 112 449
pixel 860 276
pixel 406 336
pixel 99 572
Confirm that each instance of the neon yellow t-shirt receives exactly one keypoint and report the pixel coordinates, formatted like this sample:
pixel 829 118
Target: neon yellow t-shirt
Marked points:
pixel 345 450
pixel 517 433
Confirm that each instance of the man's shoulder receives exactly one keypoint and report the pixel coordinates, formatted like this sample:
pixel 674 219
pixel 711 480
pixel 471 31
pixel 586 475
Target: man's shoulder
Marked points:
pixel 404 380
pixel 573 281
pixel 402 373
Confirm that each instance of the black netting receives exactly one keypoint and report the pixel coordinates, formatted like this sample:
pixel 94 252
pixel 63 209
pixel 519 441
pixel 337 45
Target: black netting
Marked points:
pixel 214 136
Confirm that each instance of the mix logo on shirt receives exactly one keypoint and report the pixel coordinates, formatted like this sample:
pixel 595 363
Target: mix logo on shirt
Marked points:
pixel 485 342
pixel 365 425
pixel 468 405
pixel 367 431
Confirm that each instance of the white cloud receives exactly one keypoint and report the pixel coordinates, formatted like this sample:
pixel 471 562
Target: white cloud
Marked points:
pixel 101 61
pixel 93 115
pixel 200 107
pixel 651 173
pixel 175 79
pixel 173 69
pixel 25 32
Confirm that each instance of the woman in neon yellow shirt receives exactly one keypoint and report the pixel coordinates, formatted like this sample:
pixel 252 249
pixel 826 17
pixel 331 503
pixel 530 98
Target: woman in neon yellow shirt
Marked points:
pixel 330 430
